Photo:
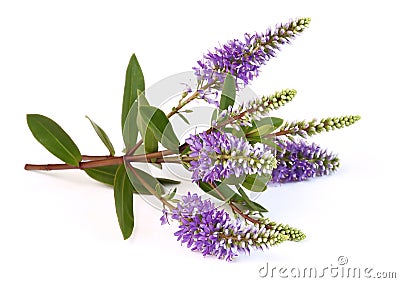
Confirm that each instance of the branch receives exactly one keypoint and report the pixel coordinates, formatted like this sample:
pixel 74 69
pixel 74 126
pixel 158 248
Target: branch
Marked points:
pixel 99 161
pixel 148 187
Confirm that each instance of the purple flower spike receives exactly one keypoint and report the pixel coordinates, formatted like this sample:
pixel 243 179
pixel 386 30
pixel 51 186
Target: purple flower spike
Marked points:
pixel 219 155
pixel 299 161
pixel 243 59
pixel 211 231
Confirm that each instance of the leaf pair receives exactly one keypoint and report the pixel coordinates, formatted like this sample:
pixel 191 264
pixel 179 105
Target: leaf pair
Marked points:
pixel 138 116
pixel 58 142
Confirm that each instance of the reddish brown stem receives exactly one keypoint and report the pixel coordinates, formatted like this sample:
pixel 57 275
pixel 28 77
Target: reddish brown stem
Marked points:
pixel 280 133
pixel 99 161
pixel 95 157
pixel 82 165
pixel 133 149
pixel 237 210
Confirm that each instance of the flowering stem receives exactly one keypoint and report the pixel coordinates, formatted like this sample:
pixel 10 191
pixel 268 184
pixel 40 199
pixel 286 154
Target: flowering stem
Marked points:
pixel 182 104
pixel 219 126
pixel 189 99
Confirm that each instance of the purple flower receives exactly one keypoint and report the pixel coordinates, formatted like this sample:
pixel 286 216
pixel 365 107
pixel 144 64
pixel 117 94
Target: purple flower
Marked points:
pixel 211 95
pixel 243 59
pixel 299 161
pixel 219 155
pixel 212 232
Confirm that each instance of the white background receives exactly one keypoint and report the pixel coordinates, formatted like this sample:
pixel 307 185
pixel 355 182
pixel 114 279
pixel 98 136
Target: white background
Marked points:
pixel 67 60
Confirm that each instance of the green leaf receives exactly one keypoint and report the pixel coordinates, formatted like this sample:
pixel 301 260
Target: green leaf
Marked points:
pixel 54 138
pixel 138 186
pixel 134 84
pixel 228 92
pixel 244 203
pixel 184 118
pixel 124 201
pixel 103 136
pixel 222 189
pixel 186 111
pixel 158 190
pixel 248 203
pixel 159 124
pixel 130 130
pixel 256 183
pixel 149 140
pixel 261 128
pixel 165 181
pixel 276 122
pixel 104 174
pixel 270 142
pixel 171 194
pixel 214 116
pixel 264 126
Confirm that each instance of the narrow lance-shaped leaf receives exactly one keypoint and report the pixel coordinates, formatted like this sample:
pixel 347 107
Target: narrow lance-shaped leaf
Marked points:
pixel 214 116
pixel 222 191
pixel 159 190
pixel 159 124
pixel 149 140
pixel 134 83
pixel 263 127
pixel 260 130
pixel 256 183
pixel 124 202
pixel 104 174
pixel 228 92
pixel 165 181
pixel 54 138
pixel 231 196
pixel 248 203
pixel 138 186
pixel 183 118
pixel 171 194
pixel 103 136
pixel 130 131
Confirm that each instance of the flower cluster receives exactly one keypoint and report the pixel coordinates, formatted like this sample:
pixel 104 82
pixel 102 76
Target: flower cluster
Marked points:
pixel 217 155
pixel 298 161
pixel 315 126
pixel 243 59
pixel 245 113
pixel 212 232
